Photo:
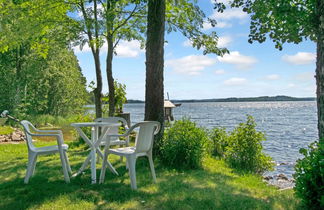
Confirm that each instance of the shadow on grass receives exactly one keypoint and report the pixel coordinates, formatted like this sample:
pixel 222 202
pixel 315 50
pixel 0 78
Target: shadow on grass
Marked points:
pixel 193 189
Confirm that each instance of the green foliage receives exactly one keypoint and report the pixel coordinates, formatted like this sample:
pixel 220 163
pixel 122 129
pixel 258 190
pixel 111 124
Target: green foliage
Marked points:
pixel 187 18
pixel 244 150
pixel 37 23
pixel 309 176
pixel 120 96
pixel 5 130
pixel 219 138
pixel 53 85
pixel 283 20
pixel 184 145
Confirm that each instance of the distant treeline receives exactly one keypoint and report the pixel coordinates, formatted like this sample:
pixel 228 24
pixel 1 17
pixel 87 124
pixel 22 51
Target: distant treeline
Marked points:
pixel 233 99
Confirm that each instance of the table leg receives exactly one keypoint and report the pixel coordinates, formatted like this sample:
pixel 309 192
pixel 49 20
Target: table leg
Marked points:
pixel 111 168
pixel 93 157
pixel 85 164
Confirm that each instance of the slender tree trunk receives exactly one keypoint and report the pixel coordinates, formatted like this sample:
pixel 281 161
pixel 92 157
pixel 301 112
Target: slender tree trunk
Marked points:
pixel 320 70
pixel 110 78
pixel 98 90
pixel 154 90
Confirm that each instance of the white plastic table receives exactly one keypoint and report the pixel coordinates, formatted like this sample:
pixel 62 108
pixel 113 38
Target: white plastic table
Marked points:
pixel 94 144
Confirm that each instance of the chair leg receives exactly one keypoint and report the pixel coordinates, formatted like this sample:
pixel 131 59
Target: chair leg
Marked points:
pixel 132 170
pixel 121 157
pixel 104 166
pixel 67 162
pixel 32 157
pixel 64 167
pixel 152 167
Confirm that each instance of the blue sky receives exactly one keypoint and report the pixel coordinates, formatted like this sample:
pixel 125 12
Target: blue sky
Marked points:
pixel 249 70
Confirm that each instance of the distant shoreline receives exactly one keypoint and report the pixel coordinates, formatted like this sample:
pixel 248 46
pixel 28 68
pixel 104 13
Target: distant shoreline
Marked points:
pixel 234 99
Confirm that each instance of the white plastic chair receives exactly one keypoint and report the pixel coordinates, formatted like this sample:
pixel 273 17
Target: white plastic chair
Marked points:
pixel 143 147
pixel 33 151
pixel 114 131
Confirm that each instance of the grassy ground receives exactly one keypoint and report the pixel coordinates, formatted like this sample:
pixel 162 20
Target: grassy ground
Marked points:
pixel 5 130
pixel 213 187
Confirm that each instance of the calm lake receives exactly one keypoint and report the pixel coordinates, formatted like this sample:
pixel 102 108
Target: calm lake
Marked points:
pixel 288 126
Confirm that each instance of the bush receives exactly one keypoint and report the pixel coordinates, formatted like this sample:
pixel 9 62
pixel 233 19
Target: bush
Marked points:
pixel 219 138
pixel 184 145
pixel 244 150
pixel 309 176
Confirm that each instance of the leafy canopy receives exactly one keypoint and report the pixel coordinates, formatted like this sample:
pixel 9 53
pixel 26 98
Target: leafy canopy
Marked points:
pixel 283 21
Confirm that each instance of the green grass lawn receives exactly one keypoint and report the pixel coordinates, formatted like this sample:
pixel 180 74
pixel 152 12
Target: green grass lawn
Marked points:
pixel 213 187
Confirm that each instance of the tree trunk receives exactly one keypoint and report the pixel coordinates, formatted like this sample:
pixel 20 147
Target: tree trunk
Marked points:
pixel 154 90
pixel 110 78
pixel 320 70
pixel 98 90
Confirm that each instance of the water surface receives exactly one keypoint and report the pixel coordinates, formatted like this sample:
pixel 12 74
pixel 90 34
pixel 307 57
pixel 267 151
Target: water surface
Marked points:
pixel 288 126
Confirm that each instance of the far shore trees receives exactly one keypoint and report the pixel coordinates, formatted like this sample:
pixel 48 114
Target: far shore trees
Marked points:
pixel 292 22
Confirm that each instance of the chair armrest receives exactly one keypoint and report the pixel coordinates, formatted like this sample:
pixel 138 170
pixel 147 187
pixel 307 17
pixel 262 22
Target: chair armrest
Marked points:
pixel 59 137
pixel 48 131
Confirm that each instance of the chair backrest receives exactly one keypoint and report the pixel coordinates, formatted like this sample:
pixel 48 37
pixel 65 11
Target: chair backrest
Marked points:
pixel 27 125
pixel 145 136
pixel 112 130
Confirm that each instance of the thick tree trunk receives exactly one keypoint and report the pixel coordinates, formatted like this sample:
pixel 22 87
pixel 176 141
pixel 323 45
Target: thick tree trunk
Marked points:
pixel 320 70
pixel 154 90
pixel 98 90
pixel 110 78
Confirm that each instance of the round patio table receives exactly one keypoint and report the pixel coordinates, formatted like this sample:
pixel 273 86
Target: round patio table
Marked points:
pixel 94 144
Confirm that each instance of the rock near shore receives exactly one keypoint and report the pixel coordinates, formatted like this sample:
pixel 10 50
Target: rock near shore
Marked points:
pixel 15 136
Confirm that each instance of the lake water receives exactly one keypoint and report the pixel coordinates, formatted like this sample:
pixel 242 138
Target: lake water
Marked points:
pixel 288 126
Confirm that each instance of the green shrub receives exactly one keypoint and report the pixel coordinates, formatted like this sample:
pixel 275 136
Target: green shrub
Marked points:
pixel 219 138
pixel 184 145
pixel 309 176
pixel 244 150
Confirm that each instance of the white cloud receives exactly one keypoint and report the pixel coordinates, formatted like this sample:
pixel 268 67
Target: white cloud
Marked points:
pixel 224 41
pixel 85 49
pixel 219 72
pixel 228 14
pixel 291 85
pixel 307 76
pixel 129 49
pixel 226 2
pixel 240 61
pixel 187 43
pixel 301 58
pixel 272 77
pixel 223 24
pixel 207 26
pixel 191 65
pixel 220 24
pixel 235 81
pixel 124 49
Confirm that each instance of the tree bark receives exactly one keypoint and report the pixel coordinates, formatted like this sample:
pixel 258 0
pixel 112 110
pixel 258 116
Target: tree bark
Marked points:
pixel 110 78
pixel 97 91
pixel 320 69
pixel 154 90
